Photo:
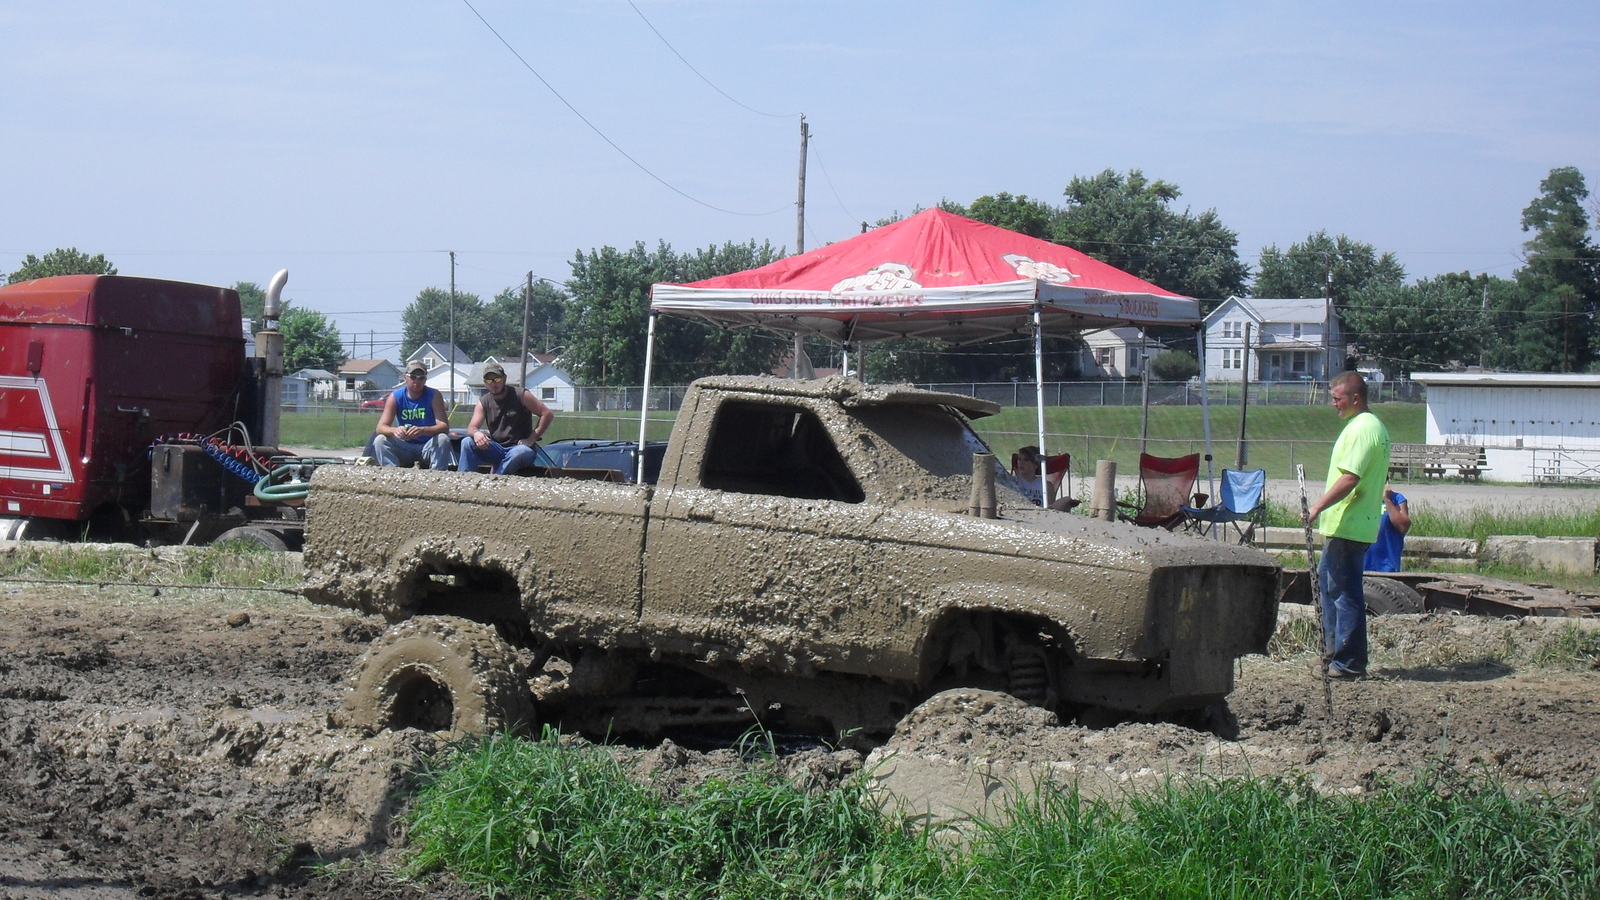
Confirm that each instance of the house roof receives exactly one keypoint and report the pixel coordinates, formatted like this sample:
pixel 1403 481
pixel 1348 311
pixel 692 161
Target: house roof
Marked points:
pixel 361 366
pixel 1129 335
pixel 317 374
pixel 445 351
pixel 1272 311
pixel 1505 379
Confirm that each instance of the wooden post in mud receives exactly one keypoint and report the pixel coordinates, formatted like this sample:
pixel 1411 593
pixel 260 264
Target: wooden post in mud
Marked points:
pixel 1104 503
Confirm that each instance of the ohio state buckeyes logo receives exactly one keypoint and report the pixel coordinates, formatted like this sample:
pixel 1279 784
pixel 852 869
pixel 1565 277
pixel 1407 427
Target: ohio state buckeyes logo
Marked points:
pixel 1038 270
pixel 882 277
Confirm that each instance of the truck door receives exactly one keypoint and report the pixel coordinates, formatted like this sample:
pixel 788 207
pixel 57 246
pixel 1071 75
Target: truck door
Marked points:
pixel 764 552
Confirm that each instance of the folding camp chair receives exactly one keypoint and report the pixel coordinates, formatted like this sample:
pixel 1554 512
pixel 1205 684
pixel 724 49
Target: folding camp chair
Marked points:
pixel 1165 485
pixel 1240 503
pixel 1058 474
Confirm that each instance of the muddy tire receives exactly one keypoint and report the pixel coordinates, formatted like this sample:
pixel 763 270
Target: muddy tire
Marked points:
pixel 1387 597
pixel 255 536
pixel 441 674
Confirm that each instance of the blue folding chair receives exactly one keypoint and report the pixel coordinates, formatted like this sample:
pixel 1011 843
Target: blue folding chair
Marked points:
pixel 1240 503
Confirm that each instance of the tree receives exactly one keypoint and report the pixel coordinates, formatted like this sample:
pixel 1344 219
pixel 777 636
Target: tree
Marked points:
pixel 310 341
pixel 1034 218
pixel 1127 221
pixel 1303 270
pixel 1436 323
pixel 547 320
pixel 427 318
pixel 1175 365
pixel 1560 281
pixel 252 303
pixel 61 262
pixel 610 308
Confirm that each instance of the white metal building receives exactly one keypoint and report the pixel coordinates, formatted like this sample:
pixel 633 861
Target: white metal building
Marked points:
pixel 1533 427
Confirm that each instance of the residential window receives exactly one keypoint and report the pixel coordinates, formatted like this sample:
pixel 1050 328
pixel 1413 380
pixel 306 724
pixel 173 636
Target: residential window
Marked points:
pixel 1233 359
pixel 548 393
pixel 1298 362
pixel 1296 329
pixel 1233 329
pixel 1103 356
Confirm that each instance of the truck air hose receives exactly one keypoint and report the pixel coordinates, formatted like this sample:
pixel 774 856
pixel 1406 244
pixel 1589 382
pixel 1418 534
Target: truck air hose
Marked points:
pixel 219 452
pixel 267 492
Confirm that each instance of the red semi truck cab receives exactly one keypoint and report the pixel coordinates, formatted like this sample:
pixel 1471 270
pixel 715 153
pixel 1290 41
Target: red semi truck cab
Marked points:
pixel 94 368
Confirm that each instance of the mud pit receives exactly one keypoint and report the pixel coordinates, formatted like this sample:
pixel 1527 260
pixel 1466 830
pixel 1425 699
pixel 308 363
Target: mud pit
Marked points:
pixel 180 744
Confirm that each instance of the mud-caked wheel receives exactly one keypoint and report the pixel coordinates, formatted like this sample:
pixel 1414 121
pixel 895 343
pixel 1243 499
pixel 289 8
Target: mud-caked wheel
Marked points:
pixel 442 674
pixel 1387 597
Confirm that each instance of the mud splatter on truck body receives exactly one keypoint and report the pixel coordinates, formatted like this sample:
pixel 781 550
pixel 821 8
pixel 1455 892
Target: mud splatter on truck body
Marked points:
pixel 807 553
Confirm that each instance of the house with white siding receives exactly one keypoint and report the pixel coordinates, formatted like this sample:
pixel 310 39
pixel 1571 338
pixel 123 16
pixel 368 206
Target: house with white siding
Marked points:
pixel 1117 353
pixel 1278 339
pixel 1533 427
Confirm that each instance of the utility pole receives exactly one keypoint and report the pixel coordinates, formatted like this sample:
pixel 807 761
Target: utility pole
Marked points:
pixel 1483 325
pixel 452 327
pixel 527 305
pixel 800 237
pixel 1243 455
pixel 1327 324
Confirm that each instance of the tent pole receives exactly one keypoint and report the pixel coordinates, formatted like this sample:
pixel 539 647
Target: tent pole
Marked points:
pixel 1038 394
pixel 644 398
pixel 1205 412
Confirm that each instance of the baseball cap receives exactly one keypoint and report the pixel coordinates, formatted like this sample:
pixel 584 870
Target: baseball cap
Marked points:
pixel 493 368
pixel 415 368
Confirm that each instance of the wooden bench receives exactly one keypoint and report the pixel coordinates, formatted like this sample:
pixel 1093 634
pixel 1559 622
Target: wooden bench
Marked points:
pixel 1433 460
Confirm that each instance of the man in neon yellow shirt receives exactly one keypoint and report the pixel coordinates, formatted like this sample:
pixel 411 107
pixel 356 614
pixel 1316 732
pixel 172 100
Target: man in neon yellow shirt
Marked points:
pixel 1347 514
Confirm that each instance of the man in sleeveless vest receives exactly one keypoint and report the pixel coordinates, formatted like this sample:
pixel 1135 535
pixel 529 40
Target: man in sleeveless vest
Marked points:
pixel 502 432
pixel 414 426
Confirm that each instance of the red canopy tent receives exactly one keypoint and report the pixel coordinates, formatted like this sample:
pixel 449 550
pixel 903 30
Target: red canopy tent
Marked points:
pixel 934 275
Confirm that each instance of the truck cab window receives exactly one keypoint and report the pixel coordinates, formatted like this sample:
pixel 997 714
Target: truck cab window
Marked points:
pixel 781 451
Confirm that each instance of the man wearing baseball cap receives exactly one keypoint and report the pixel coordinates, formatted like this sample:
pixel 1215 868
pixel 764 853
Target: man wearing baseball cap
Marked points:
pixel 502 432
pixel 414 426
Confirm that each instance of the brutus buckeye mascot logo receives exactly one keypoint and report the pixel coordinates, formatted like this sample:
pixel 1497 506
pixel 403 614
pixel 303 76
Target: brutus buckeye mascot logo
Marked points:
pixel 883 277
pixel 1040 271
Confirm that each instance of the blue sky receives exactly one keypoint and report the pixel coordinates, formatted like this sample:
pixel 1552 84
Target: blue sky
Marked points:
pixel 354 143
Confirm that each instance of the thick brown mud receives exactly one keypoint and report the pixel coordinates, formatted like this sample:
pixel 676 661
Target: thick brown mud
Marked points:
pixel 181 744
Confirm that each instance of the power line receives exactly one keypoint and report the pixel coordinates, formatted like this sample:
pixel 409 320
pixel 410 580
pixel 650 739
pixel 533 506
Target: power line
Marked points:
pixel 592 127
pixel 829 178
pixel 704 78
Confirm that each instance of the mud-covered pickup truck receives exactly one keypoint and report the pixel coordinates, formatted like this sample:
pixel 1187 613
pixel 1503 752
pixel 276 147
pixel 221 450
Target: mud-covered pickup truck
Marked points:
pixel 808 557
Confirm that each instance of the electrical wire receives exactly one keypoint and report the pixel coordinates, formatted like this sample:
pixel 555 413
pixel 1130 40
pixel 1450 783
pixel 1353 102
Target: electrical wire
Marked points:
pixel 592 127
pixel 703 77
pixel 829 179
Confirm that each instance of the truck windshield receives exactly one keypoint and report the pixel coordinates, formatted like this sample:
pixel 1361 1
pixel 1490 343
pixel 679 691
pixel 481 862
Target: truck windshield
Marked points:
pixel 935 443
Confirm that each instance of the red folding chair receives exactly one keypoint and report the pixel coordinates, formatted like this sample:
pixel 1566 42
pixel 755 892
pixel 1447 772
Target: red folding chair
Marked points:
pixel 1165 484
pixel 1058 469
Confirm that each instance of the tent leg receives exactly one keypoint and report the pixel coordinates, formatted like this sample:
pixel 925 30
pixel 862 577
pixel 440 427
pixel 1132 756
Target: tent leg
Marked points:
pixel 644 398
pixel 1205 415
pixel 1038 396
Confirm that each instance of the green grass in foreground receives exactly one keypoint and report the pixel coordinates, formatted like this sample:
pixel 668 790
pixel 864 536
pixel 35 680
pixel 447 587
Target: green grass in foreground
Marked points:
pixel 552 819
pixel 221 564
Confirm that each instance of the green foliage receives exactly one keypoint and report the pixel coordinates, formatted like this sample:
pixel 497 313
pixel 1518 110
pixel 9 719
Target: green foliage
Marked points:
pixel 252 303
pixel 557 819
pixel 166 565
pixel 1429 325
pixel 310 341
pixel 551 819
pixel 610 310
pixel 1302 270
pixel 1127 221
pixel 428 318
pixel 61 261
pixel 1174 365
pixel 1577 519
pixel 1561 279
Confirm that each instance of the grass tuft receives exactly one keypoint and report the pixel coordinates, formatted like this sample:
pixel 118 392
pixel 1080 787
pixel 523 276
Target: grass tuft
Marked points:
pixel 550 818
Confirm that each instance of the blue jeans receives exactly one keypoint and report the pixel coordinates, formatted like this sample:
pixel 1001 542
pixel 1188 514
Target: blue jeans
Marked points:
pixel 392 451
pixel 1344 607
pixel 506 460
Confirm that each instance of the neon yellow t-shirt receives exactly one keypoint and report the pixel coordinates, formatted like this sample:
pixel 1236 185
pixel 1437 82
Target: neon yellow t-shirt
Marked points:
pixel 1362 450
